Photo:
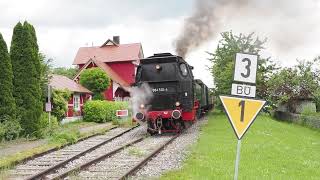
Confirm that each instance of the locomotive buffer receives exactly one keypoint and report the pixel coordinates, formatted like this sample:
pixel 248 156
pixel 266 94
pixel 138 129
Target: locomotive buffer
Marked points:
pixel 241 107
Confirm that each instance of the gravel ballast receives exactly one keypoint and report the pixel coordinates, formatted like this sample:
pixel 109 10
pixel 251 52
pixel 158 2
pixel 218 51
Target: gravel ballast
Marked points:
pixel 172 157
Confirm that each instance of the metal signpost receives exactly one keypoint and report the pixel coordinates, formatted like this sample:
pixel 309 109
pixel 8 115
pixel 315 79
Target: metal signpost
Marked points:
pixel 241 108
pixel 48 104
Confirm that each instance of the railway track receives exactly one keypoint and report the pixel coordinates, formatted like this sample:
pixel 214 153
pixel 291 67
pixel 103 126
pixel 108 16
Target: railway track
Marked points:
pixel 118 154
pixel 49 164
pixel 122 162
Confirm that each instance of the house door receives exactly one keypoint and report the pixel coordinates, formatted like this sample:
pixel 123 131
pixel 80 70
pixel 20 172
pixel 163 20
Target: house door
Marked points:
pixel 76 104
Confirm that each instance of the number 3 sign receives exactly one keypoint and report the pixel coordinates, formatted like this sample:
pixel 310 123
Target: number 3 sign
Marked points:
pixel 245 68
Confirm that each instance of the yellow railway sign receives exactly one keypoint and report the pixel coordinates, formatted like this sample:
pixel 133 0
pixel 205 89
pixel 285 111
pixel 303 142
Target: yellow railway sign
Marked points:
pixel 241 112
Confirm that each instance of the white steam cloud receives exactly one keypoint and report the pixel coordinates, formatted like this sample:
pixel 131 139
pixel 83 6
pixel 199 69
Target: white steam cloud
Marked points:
pixel 140 95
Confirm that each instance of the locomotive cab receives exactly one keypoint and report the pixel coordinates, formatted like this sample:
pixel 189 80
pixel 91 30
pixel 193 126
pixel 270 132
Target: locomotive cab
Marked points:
pixel 170 79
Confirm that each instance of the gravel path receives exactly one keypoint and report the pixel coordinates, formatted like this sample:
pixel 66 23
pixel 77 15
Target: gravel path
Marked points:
pixel 173 155
pixel 19 146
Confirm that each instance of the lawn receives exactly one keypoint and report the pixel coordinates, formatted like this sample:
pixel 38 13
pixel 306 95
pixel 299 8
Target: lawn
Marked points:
pixel 270 150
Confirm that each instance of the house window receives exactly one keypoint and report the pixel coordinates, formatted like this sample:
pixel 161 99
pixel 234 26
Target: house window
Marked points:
pixel 76 102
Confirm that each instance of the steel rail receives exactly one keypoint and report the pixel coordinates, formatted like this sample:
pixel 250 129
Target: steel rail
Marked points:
pixel 57 148
pixel 142 163
pixel 96 160
pixel 61 164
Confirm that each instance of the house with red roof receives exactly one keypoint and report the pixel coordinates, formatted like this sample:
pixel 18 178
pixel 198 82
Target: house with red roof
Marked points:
pixel 119 61
pixel 79 94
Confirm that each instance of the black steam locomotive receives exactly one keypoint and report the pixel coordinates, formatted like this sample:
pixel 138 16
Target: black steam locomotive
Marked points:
pixel 178 99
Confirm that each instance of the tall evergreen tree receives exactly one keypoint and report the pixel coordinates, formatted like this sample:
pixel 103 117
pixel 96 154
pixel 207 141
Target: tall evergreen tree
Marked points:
pixel 27 92
pixel 35 46
pixel 7 103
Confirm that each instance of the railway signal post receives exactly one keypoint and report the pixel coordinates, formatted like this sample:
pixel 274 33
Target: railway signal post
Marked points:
pixel 241 108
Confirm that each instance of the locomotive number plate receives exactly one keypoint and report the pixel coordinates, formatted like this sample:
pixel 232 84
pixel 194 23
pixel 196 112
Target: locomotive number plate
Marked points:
pixel 162 89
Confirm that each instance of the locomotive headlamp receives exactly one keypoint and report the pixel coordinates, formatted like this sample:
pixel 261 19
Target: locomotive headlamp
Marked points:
pixel 140 116
pixel 158 67
pixel 176 114
pixel 178 103
pixel 142 106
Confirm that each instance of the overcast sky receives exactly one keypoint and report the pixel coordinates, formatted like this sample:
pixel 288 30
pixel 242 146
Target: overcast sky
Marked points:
pixel 292 28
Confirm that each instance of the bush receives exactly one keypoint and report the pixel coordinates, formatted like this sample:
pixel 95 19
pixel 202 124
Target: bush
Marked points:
pixel 94 111
pixel 9 129
pixel 312 121
pixel 60 103
pixel 95 79
pixel 98 96
pixel 46 129
pixel 64 137
pixel 102 111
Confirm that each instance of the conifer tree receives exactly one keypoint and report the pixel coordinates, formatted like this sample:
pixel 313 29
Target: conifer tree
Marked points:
pixel 35 46
pixel 7 103
pixel 27 92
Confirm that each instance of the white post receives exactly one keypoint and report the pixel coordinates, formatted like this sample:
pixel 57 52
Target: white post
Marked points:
pixel 49 102
pixel 236 166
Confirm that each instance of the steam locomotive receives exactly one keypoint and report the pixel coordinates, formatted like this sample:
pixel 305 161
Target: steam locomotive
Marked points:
pixel 178 99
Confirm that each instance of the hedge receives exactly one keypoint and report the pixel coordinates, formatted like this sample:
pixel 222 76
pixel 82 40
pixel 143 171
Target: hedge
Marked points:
pixel 102 111
pixel 310 120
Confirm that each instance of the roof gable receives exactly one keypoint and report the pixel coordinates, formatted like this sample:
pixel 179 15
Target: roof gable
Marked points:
pixel 109 53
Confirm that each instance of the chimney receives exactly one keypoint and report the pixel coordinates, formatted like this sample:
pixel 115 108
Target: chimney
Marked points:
pixel 116 39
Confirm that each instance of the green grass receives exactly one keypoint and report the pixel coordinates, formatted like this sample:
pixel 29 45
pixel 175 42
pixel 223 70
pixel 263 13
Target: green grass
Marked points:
pixel 78 124
pixel 136 151
pixel 124 122
pixel 270 150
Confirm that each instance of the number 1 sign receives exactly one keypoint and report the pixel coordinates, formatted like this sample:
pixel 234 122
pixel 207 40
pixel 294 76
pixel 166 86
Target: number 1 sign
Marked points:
pixel 241 112
pixel 245 68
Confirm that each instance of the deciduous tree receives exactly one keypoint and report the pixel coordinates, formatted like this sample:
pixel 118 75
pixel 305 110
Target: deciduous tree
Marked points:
pixel 69 72
pixel 95 79
pixel 224 57
pixel 292 84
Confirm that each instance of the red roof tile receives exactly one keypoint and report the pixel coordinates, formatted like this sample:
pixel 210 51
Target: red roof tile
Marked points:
pixel 109 53
pixel 62 82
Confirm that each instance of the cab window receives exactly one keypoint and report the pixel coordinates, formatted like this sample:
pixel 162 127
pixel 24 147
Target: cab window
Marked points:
pixel 183 69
